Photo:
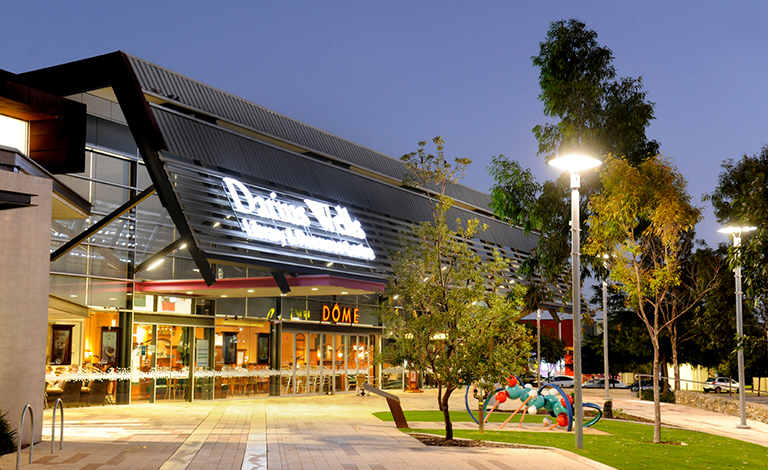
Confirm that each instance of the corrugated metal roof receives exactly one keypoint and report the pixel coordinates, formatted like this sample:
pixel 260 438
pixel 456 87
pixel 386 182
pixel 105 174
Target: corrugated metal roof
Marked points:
pixel 227 151
pixel 211 101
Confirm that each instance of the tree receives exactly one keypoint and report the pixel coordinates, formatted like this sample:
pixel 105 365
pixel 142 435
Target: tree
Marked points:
pixel 741 197
pixel 596 113
pixel 639 219
pixel 448 314
pixel 699 275
pixel 628 344
pixel 552 347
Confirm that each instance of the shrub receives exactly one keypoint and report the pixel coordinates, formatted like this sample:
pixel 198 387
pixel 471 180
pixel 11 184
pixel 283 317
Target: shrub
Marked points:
pixel 668 397
pixel 7 436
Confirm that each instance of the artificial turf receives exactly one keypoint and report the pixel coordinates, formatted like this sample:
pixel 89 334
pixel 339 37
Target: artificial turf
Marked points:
pixel 627 445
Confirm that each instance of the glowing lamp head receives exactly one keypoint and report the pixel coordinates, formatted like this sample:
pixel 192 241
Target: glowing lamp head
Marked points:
pixel 574 162
pixel 731 229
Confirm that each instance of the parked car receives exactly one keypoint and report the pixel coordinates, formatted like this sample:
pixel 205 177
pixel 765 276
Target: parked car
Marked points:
pixel 562 381
pixel 600 383
pixel 646 384
pixel 531 379
pixel 720 384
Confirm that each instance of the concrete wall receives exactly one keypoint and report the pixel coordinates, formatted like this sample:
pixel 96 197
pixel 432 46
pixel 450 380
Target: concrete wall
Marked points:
pixel 25 240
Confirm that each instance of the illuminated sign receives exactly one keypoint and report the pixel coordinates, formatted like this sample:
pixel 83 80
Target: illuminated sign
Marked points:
pixel 299 223
pixel 336 314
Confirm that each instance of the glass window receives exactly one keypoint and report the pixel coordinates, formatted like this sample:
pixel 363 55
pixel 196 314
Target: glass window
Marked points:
pixel 78 185
pixel 107 198
pixel 108 293
pixel 114 170
pixel 286 364
pixel 263 307
pixel 69 288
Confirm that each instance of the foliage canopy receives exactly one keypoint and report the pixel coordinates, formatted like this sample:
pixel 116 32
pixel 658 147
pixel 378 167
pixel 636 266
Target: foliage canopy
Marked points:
pixel 447 310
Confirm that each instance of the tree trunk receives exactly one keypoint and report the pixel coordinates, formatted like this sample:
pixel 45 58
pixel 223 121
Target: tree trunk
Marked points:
pixel 656 394
pixel 675 364
pixel 442 400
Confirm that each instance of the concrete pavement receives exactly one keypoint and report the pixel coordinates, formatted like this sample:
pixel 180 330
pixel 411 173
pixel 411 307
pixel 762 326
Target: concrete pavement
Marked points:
pixel 317 432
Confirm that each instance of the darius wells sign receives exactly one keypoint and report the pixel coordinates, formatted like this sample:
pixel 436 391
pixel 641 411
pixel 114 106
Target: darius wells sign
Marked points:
pixel 292 221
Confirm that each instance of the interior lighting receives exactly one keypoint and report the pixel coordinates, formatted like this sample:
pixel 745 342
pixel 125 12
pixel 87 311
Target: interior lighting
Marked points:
pixel 329 264
pixel 224 295
pixel 344 293
pixel 155 264
pixel 251 290
pixel 14 134
pixel 315 288
pixel 190 292
pixel 216 224
pixel 183 245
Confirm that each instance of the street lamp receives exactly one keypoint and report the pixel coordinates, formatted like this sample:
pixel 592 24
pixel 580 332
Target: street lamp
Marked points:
pixel 538 347
pixel 736 232
pixel 605 334
pixel 575 163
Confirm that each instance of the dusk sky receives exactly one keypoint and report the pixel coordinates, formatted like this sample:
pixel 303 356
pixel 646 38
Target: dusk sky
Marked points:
pixel 388 74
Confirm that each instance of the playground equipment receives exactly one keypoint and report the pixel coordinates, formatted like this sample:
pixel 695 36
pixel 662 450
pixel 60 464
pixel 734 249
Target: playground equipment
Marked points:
pixel 550 397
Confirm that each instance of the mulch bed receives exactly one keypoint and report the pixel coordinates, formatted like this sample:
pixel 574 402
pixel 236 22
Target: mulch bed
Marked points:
pixel 431 440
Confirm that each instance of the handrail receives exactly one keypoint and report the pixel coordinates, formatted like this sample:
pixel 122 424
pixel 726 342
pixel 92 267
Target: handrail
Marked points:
pixel 31 435
pixel 58 404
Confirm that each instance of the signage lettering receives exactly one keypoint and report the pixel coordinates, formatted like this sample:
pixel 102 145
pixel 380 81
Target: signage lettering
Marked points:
pixel 336 314
pixel 268 218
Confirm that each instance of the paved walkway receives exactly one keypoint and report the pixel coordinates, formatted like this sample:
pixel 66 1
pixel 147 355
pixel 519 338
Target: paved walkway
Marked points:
pixel 320 432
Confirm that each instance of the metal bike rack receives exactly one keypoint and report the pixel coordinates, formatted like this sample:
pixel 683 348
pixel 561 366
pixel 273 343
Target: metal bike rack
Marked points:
pixel 31 435
pixel 58 404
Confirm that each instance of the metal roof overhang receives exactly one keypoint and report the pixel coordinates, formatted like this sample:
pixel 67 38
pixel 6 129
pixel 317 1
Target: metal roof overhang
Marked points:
pixel 63 309
pixel 303 286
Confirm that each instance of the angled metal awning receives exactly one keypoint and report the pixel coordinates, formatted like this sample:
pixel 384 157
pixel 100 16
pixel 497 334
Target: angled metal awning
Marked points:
pixel 15 200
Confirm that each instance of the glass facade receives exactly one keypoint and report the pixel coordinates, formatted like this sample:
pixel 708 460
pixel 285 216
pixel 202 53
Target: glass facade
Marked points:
pixel 144 348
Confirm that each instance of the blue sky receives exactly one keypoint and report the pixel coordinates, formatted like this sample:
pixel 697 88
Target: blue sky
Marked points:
pixel 388 74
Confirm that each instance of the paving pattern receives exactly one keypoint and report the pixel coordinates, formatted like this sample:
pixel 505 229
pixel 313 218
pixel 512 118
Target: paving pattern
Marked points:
pixel 320 432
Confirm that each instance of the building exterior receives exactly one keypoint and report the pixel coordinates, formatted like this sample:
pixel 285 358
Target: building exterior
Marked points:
pixel 228 250
pixel 40 134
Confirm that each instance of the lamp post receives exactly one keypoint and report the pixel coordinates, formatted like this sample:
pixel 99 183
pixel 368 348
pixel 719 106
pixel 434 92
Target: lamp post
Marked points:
pixel 736 232
pixel 538 347
pixel 605 339
pixel 575 163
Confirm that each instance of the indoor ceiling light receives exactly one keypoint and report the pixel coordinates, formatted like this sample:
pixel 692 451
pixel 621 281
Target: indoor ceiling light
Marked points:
pixel 251 290
pixel 155 264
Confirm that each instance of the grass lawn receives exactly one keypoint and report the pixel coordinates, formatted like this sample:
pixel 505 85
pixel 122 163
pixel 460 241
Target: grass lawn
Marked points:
pixel 628 444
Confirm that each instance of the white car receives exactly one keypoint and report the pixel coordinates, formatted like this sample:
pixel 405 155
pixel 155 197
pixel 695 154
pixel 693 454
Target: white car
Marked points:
pixel 563 381
pixel 721 384
pixel 600 383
